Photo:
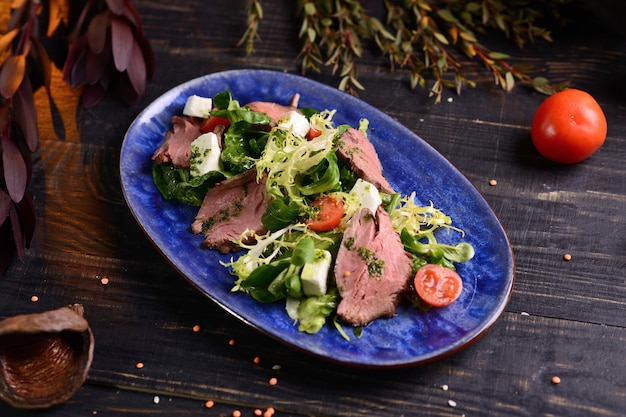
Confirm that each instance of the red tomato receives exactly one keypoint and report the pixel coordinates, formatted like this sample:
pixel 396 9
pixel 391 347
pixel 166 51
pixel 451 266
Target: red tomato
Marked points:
pixel 437 286
pixel 329 215
pixel 211 122
pixel 568 127
pixel 313 133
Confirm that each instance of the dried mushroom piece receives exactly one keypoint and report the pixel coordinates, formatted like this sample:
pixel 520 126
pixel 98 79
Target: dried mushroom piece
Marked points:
pixel 44 357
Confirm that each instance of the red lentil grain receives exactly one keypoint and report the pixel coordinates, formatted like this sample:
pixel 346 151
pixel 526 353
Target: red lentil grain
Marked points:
pixel 556 380
pixel 196 328
pixel 209 404
pixel 567 257
pixel 493 182
pixel 34 298
pixel 258 412
pixel 257 360
pixel 104 281
pixel 269 412
pixel 273 381
pixel 236 413
pixel 139 365
pixel 232 342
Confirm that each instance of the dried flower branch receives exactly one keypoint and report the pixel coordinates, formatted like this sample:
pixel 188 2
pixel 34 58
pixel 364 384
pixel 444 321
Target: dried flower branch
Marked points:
pixel 421 36
pixel 109 50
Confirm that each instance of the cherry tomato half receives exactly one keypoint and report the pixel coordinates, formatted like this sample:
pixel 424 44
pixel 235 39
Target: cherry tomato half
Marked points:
pixel 437 286
pixel 211 122
pixel 329 215
pixel 568 127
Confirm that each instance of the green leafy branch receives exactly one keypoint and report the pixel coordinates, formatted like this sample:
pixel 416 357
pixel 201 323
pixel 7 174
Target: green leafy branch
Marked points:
pixel 420 36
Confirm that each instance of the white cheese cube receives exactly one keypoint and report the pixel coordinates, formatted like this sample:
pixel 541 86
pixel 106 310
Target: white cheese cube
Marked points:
pixel 315 274
pixel 205 154
pixel 296 122
pixel 367 194
pixel 197 106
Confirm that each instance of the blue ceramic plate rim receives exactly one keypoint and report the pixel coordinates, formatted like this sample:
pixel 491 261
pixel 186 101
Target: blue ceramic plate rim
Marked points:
pixel 410 164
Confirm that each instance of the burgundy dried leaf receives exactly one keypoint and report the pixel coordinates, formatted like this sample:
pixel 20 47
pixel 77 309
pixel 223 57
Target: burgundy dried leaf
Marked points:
pixel 92 94
pixel 15 172
pixel 137 70
pixel 17 232
pixel 96 64
pixel 148 55
pixel 40 55
pixel 26 114
pixel 28 218
pixel 116 6
pixel 76 54
pixel 97 32
pixel 5 204
pixel 12 74
pixel 132 15
pixel 122 42
pixel 7 38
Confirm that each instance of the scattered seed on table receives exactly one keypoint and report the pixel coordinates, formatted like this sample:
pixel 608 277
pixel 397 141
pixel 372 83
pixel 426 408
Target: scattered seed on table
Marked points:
pixel 493 182
pixel 258 412
pixel 34 298
pixel 556 380
pixel 567 257
pixel 139 365
pixel 232 342
pixel 452 403
pixel 269 412
pixel 257 360
pixel 273 381
pixel 444 387
pixel 104 281
pixel 209 404
pixel 196 328
pixel 156 399
pixel 276 367
pixel 236 413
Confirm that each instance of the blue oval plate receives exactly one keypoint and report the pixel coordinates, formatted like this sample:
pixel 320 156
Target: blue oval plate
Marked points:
pixel 412 336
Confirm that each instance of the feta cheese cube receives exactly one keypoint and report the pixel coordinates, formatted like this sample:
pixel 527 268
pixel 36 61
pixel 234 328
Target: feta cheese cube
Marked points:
pixel 315 274
pixel 296 122
pixel 197 106
pixel 205 154
pixel 367 194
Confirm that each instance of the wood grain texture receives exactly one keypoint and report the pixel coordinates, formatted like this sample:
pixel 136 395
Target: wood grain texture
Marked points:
pixel 565 318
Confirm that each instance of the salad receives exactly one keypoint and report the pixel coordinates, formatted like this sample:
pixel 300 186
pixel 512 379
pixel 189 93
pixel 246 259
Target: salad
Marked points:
pixel 305 209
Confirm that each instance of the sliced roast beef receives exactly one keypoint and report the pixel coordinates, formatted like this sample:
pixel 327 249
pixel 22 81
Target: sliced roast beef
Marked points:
pixel 359 154
pixel 372 269
pixel 275 111
pixel 229 208
pixel 176 146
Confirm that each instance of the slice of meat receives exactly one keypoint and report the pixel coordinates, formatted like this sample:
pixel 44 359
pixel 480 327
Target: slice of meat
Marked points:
pixel 228 209
pixel 372 269
pixel 275 111
pixel 176 146
pixel 359 154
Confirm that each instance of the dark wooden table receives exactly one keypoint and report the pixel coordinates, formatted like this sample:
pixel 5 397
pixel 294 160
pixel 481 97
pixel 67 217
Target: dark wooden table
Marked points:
pixel 564 319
